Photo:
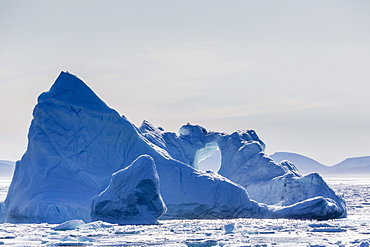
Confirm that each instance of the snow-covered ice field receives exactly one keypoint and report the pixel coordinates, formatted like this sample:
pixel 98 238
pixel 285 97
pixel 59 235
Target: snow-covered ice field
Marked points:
pixel 351 231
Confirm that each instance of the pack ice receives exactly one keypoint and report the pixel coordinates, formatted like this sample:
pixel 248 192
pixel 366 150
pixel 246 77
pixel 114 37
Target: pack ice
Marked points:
pixel 76 142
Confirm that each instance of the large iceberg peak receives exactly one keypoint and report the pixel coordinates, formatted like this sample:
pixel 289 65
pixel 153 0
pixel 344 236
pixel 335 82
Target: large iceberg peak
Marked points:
pixel 70 89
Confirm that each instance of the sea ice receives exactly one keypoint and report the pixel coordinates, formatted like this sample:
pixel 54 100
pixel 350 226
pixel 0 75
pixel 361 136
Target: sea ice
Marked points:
pixel 247 232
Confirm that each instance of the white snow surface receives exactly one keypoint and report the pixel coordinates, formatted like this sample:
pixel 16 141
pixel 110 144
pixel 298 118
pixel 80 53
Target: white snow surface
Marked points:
pixel 352 231
pixel 132 196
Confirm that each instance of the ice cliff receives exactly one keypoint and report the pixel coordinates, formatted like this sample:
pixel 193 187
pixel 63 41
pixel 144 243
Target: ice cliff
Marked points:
pixel 131 201
pixel 76 142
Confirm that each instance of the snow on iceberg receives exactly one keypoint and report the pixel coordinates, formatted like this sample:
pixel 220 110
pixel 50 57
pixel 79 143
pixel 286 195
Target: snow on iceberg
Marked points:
pixel 132 197
pixel 244 162
pixel 75 144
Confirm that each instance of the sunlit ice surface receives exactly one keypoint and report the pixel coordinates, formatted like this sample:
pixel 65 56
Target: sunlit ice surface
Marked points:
pixel 351 231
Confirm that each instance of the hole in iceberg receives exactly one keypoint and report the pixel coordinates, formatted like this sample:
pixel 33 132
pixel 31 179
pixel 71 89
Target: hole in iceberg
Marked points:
pixel 213 162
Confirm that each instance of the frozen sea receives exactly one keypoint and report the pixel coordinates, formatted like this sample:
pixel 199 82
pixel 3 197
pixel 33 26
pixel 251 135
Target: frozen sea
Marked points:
pixel 351 231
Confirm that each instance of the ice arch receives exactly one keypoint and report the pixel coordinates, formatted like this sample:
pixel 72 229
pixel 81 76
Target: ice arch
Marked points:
pixel 195 143
pixel 245 163
pixel 236 149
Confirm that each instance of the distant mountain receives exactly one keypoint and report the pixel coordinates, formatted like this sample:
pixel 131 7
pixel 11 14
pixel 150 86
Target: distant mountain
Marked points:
pixel 6 168
pixel 304 164
pixel 356 165
pixel 350 166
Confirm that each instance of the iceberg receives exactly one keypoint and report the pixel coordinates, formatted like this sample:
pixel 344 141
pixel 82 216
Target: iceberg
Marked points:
pixel 76 142
pixel 132 197
pixel 245 163
pixel 318 208
pixel 69 225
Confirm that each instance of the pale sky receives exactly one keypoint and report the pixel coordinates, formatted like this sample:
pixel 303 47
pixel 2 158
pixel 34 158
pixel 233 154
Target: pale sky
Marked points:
pixel 297 72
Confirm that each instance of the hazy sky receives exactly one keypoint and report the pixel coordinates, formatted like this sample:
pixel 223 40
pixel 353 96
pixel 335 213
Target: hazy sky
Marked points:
pixel 298 72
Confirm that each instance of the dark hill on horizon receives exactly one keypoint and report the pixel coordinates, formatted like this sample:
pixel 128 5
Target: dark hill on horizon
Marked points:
pixel 349 166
